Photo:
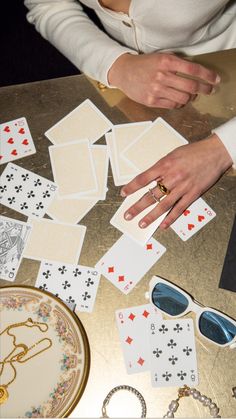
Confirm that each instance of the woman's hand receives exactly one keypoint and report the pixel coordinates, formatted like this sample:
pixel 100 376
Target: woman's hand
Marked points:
pixel 187 172
pixel 160 79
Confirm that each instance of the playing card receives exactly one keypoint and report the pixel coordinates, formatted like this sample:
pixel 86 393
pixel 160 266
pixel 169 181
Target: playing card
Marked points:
pixel 25 191
pixel 193 219
pixel 13 238
pixel 110 146
pixel 173 353
pixel 126 262
pixel 16 140
pixel 121 136
pixel 70 210
pixel 85 121
pixel 133 326
pixel 55 241
pixel 74 284
pixel 100 161
pixel 73 168
pixel 130 227
pixel 154 143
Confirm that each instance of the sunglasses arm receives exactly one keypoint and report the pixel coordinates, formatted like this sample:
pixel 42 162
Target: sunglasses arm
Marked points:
pixel 233 345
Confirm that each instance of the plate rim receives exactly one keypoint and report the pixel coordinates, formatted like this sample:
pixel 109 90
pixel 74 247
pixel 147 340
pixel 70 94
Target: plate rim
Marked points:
pixel 84 336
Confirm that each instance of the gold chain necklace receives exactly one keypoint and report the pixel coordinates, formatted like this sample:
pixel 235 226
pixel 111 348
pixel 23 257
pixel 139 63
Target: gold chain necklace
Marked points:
pixel 23 349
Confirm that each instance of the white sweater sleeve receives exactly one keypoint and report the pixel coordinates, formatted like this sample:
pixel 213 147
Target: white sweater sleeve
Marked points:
pixel 69 29
pixel 227 134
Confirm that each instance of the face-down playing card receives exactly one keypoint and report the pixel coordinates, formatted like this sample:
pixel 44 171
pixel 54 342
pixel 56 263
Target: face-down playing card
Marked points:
pixel 172 352
pixel 154 143
pixel 133 326
pixel 16 140
pixel 25 191
pixel 70 210
pixel 13 238
pixel 193 219
pixel 74 284
pixel 55 241
pixel 126 262
pixel 85 121
pixel 73 168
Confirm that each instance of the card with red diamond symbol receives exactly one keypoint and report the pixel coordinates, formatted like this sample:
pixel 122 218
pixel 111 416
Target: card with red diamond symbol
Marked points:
pixel 126 262
pixel 133 326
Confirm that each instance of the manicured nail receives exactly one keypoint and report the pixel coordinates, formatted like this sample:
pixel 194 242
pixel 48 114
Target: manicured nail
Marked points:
pixel 128 216
pixel 142 224
pixel 122 193
pixel 218 79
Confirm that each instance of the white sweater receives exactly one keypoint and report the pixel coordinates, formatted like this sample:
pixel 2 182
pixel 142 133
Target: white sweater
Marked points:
pixel 187 26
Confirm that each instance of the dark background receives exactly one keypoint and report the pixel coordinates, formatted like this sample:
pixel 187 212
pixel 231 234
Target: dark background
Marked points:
pixel 24 55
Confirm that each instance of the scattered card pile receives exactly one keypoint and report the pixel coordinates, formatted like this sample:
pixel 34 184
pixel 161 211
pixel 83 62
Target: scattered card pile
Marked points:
pixel 80 173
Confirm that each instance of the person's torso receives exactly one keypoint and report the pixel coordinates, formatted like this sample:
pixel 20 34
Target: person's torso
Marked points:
pixel 158 24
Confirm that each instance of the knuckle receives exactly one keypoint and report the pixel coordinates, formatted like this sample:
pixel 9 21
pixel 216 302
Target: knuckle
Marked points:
pixel 184 98
pixel 141 179
pixel 166 163
pixel 160 77
pixel 150 100
pixel 192 68
pixel 165 60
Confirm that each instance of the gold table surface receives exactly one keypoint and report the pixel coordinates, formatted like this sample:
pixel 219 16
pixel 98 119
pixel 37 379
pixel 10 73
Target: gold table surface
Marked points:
pixel 195 265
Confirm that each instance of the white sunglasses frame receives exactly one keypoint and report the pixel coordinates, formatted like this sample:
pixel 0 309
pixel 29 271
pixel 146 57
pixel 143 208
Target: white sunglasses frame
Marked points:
pixel 193 306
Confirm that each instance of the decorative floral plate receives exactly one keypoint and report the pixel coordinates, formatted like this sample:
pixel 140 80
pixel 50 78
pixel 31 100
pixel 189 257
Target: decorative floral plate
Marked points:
pixel 50 383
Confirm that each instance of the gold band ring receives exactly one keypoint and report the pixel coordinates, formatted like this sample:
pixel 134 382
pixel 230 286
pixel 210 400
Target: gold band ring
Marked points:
pixel 150 191
pixel 163 188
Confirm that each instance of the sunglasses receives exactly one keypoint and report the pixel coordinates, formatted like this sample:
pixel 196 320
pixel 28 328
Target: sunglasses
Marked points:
pixel 173 301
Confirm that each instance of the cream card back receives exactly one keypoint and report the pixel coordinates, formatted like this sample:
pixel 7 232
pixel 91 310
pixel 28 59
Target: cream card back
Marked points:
pixel 153 144
pixel 85 121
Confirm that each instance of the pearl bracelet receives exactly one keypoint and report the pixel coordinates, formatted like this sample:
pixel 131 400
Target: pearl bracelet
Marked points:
pixel 187 391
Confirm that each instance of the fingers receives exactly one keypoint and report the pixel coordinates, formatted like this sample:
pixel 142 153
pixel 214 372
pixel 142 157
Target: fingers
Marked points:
pixel 141 180
pixel 164 206
pixel 147 199
pixel 159 102
pixel 192 87
pixel 176 211
pixel 190 68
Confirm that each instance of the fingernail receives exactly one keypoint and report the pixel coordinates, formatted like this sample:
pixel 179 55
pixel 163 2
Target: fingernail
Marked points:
pixel 142 224
pixel 213 91
pixel 218 79
pixel 128 216
pixel 122 193
pixel 163 226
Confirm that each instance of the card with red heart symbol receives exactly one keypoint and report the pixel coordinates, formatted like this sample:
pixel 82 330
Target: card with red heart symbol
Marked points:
pixel 16 140
pixel 193 219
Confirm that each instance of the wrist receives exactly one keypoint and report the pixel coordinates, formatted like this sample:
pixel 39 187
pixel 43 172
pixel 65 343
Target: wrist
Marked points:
pixel 116 71
pixel 222 157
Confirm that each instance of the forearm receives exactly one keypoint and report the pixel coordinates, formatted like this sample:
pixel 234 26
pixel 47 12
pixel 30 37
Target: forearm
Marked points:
pixel 227 134
pixel 69 29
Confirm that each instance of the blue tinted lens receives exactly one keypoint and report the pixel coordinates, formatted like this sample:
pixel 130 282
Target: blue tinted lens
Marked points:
pixel 169 300
pixel 217 328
